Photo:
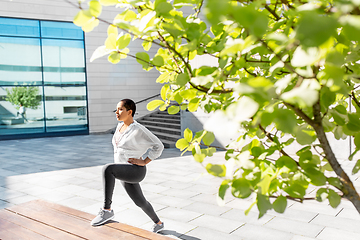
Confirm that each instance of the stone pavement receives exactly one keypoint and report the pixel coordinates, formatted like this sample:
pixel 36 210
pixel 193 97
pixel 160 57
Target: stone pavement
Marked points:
pixel 67 171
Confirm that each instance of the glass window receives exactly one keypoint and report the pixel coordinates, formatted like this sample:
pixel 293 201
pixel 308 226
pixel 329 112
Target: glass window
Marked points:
pixel 20 61
pixel 42 78
pixel 21 110
pixel 60 30
pixel 19 27
pixel 65 108
pixel 63 62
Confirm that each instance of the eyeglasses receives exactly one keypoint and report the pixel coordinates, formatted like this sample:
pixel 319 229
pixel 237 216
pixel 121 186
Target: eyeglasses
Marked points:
pixel 115 110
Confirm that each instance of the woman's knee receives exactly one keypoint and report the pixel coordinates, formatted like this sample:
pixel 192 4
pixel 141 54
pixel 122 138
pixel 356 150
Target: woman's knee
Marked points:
pixel 107 168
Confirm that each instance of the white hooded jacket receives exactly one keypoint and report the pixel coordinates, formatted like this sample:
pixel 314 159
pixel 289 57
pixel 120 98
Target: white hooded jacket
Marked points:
pixel 134 142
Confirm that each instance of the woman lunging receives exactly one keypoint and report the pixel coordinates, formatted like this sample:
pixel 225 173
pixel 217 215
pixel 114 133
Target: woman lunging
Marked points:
pixel 131 141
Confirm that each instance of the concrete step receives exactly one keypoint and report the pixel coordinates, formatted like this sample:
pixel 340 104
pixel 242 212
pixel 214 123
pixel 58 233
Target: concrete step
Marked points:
pixel 160 124
pixel 165 115
pixel 164 130
pixel 168 143
pixel 160 119
pixel 166 136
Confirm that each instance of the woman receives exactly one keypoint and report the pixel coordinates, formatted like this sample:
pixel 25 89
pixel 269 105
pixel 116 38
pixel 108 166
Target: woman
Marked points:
pixel 131 141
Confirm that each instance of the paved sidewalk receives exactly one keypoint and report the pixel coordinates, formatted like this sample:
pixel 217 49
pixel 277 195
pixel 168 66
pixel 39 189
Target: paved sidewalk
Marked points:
pixel 67 171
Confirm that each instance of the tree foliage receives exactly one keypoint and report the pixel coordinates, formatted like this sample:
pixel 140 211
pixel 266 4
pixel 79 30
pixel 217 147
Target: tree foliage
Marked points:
pixel 25 96
pixel 286 74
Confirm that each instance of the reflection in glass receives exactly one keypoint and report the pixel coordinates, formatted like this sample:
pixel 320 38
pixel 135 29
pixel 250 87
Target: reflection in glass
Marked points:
pixel 19 27
pixel 21 113
pixel 63 62
pixel 66 30
pixel 20 61
pixel 42 78
pixel 65 108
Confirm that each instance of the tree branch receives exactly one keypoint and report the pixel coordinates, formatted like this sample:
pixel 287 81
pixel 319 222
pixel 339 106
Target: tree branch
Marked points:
pixel 277 18
pixel 347 188
pixel 268 135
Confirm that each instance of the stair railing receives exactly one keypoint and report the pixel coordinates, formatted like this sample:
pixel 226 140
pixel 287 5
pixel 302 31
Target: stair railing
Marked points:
pixel 141 109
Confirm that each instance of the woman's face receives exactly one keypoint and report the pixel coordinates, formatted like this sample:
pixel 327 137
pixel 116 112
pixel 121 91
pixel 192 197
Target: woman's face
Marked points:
pixel 121 113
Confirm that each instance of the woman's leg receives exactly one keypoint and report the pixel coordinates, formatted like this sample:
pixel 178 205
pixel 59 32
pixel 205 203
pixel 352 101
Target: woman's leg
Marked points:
pixel 124 172
pixel 135 193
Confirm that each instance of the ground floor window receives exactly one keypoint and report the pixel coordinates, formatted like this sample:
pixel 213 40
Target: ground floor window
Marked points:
pixel 43 87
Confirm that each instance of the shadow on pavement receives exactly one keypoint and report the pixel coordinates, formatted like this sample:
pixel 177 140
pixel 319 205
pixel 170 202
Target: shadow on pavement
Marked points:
pixel 178 235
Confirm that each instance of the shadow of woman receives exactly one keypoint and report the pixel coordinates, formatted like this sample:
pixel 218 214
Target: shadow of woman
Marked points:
pixel 178 235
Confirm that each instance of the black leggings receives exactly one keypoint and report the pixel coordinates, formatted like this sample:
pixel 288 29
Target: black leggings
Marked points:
pixel 130 176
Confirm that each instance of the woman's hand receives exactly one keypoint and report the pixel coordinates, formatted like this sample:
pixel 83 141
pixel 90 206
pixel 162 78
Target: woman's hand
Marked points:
pixel 139 162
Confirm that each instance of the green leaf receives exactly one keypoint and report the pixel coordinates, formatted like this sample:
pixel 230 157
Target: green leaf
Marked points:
pixel 146 45
pixel 188 135
pixel 164 91
pixel 280 204
pixel 216 170
pixel 338 119
pixel 109 2
pixel 305 135
pixel 82 17
pixel 114 57
pixel 154 104
pixel 335 182
pixel 182 144
pixel 248 210
pixel 173 109
pixel 178 98
pixel 158 61
pixel 357 140
pixel 354 122
pixel 295 190
pixel 163 78
pixel 334 198
pixel 222 189
pixel 123 41
pixel 356 167
pixel 182 79
pixel 199 157
pixel 285 120
pixel 317 178
pixel 351 26
pixel 208 138
pixel 255 21
pixel 264 184
pixel 240 188
pixel 95 8
pixel 188 94
pixel 263 204
pixel 163 8
pixel 110 42
pixel 194 104
pixel 315 29
pixel 144 59
pixel 112 30
pixel 286 164
pixel 322 194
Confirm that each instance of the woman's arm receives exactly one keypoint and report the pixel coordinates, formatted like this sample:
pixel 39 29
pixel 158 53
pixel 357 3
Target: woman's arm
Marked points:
pixel 140 162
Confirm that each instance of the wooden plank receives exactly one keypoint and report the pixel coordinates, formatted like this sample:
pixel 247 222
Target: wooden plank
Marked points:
pixel 9 231
pixel 68 223
pixel 35 226
pixel 119 226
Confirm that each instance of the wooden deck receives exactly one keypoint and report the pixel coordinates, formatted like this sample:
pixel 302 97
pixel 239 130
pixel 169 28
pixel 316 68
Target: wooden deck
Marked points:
pixel 43 220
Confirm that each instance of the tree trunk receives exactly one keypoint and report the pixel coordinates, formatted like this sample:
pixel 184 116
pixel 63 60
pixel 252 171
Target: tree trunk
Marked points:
pixel 347 188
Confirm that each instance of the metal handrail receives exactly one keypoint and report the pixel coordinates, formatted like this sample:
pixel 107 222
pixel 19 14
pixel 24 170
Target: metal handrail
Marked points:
pixel 143 100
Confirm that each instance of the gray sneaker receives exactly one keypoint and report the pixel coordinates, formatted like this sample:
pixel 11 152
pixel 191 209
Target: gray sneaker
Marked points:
pixel 158 227
pixel 102 217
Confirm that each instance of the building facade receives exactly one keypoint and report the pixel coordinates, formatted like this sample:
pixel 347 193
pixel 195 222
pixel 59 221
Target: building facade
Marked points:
pixel 43 54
